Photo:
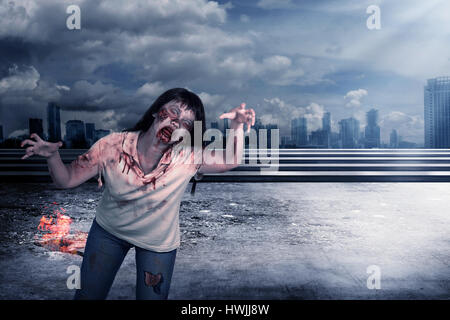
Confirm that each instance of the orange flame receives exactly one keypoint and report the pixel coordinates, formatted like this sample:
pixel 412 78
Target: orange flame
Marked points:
pixel 59 237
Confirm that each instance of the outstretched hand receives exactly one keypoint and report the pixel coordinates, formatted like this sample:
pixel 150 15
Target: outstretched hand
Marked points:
pixel 241 115
pixel 40 147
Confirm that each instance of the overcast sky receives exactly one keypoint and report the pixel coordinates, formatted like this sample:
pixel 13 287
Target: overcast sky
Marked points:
pixel 284 58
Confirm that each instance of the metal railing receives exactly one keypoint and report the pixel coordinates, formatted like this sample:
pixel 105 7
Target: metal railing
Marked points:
pixel 284 165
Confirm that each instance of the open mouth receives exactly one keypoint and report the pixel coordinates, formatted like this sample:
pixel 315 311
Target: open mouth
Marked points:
pixel 166 132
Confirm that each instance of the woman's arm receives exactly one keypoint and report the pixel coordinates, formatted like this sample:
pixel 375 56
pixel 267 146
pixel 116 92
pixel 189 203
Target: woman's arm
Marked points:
pixel 64 176
pixel 219 161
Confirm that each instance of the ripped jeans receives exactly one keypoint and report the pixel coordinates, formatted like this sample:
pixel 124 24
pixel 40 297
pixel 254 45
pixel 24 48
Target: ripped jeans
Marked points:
pixel 103 255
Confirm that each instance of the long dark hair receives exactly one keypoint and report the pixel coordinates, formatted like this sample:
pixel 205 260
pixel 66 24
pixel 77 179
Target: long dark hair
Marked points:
pixel 186 97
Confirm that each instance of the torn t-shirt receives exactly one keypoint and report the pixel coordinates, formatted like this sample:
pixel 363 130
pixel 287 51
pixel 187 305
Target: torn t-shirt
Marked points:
pixel 139 208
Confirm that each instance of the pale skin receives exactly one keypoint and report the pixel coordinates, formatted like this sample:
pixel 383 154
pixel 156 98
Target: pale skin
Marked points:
pixel 150 146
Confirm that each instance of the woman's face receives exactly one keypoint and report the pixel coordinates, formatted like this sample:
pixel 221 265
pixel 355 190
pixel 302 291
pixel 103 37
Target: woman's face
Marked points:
pixel 171 116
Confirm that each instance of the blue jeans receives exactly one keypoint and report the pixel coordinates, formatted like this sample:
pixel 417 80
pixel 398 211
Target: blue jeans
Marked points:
pixel 103 255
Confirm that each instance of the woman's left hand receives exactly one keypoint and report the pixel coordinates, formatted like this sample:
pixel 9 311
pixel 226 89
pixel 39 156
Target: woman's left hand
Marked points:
pixel 241 115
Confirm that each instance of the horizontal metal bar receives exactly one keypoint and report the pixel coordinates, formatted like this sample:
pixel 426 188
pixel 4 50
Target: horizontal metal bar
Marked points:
pixel 348 158
pixel 329 173
pixel 285 173
pixel 281 152
pixel 264 179
pixel 290 165
pixel 325 179
pixel 282 165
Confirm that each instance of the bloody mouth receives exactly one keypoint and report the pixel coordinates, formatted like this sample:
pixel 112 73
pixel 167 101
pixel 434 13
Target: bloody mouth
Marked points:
pixel 165 134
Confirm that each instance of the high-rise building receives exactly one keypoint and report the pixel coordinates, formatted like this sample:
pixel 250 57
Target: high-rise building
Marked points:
pixel 335 140
pixel 258 125
pixel 349 133
pixel 407 145
pixel 299 131
pixel 35 126
pixel 226 125
pixel 319 138
pixel 372 130
pixel 90 130
pixel 100 133
pixel 75 134
pixel 326 122
pixel 90 133
pixel 326 128
pixel 286 142
pixel 269 128
pixel 214 125
pixel 393 139
pixel 259 134
pixel 54 122
pixel 437 113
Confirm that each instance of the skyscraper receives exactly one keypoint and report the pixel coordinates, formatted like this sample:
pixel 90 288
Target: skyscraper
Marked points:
pixel 250 138
pixel 286 142
pixel 54 122
pixel 258 125
pixel 90 130
pixel 100 133
pixel 349 133
pixel 326 122
pixel 226 125
pixel 319 138
pixel 269 128
pixel 75 134
pixel 35 126
pixel 393 139
pixel 326 128
pixel 372 130
pixel 437 113
pixel 90 133
pixel 214 125
pixel 299 131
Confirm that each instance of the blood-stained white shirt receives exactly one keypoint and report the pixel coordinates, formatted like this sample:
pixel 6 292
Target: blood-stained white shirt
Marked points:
pixel 142 209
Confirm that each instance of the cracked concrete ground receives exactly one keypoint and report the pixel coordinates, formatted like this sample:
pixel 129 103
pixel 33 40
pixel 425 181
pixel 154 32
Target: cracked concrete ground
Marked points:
pixel 256 241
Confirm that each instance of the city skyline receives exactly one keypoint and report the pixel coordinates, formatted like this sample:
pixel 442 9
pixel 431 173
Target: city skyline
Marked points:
pixel 51 105
pixel 78 134
pixel 53 124
pixel 284 59
pixel 351 134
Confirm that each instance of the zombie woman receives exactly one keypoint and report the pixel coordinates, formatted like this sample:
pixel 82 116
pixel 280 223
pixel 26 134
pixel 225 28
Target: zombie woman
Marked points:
pixel 145 171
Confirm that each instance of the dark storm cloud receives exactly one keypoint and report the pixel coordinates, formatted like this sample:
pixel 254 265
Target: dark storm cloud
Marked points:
pixel 13 51
pixel 150 41
pixel 87 96
pixel 267 53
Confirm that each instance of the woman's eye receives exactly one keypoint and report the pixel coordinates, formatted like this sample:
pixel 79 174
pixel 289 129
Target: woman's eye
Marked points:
pixel 174 111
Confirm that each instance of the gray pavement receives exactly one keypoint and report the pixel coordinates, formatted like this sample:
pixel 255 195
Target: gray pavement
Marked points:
pixel 256 241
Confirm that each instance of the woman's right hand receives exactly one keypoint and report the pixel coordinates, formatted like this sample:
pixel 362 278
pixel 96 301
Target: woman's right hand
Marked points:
pixel 40 147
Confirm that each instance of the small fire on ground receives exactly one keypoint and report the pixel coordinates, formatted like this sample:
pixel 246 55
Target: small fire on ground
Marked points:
pixel 56 235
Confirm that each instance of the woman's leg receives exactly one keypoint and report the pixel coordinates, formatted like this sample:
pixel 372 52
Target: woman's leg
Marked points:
pixel 103 255
pixel 154 273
